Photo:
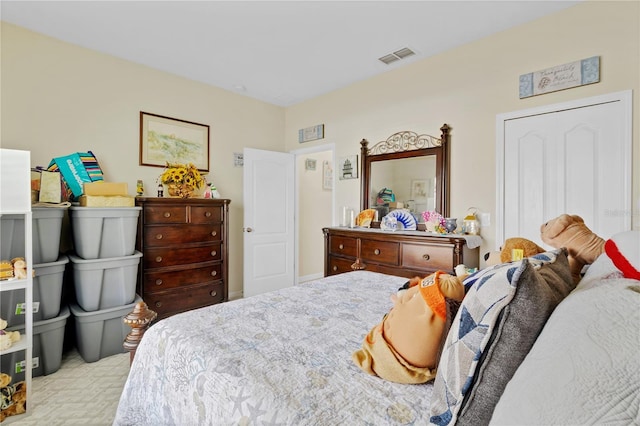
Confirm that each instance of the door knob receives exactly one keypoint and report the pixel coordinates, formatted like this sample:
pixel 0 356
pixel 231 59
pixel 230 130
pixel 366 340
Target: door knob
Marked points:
pixel 247 229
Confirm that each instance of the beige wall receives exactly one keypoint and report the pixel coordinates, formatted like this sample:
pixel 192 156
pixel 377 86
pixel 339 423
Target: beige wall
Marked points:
pixel 58 98
pixel 315 213
pixel 468 86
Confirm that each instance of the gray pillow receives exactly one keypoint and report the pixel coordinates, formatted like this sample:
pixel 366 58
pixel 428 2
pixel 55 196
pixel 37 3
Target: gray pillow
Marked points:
pixel 491 356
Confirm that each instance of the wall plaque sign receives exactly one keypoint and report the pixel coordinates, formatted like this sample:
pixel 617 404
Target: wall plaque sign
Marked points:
pixel 311 133
pixel 566 76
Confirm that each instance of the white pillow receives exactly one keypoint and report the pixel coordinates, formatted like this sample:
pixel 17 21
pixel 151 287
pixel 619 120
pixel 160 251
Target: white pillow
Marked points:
pixel 584 367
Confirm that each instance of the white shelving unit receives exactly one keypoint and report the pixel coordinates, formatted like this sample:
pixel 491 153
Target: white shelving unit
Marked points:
pixel 15 202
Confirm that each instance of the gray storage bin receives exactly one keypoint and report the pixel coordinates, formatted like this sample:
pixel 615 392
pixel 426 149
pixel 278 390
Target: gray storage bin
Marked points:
pixel 105 283
pixel 47 294
pixel 100 233
pixel 48 339
pixel 101 333
pixel 46 230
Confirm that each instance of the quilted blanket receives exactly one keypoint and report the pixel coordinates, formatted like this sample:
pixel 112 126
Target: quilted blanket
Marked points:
pixel 282 357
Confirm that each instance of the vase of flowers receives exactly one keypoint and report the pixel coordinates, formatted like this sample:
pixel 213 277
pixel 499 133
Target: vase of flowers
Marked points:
pixel 181 180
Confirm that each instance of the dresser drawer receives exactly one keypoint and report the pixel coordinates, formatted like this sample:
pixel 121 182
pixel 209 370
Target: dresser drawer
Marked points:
pixel 344 246
pixel 161 281
pixel 162 236
pixel 338 265
pixel 165 214
pixel 206 214
pixel 185 298
pixel 158 258
pixel 380 252
pixel 428 257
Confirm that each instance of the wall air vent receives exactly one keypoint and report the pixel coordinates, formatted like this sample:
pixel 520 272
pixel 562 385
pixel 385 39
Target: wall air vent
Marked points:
pixel 397 55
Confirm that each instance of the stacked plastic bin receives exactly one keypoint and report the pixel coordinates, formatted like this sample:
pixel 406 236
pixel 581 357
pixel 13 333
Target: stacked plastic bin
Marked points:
pixel 49 314
pixel 105 268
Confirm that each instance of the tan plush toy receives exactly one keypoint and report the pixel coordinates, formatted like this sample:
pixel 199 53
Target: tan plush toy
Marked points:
pixel 19 268
pixel 513 249
pixel 7 338
pixel 405 346
pixel 569 231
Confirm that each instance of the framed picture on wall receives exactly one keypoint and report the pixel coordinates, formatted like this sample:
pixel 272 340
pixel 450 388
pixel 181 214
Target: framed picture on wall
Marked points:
pixel 169 140
pixel 348 167
pixel 327 175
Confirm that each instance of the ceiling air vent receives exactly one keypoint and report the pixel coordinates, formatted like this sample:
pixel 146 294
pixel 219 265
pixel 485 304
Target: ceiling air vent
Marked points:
pixel 397 55
pixel 387 59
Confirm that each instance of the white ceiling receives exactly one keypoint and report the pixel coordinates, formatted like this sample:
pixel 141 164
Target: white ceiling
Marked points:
pixel 281 52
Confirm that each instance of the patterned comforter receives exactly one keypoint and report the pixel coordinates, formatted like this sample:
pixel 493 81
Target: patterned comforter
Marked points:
pixel 282 357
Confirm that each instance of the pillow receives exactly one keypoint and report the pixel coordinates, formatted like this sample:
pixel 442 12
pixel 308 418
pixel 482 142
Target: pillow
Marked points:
pixel 584 367
pixel 624 250
pixel 498 321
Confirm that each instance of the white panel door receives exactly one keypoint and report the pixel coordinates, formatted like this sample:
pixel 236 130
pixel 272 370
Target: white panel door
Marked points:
pixel 269 231
pixel 575 161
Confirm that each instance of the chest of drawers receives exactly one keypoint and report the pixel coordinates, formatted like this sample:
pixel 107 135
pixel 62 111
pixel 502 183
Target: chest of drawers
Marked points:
pixel 406 254
pixel 185 253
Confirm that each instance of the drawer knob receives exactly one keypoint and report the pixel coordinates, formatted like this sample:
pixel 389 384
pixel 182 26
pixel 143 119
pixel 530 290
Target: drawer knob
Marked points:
pixel 376 251
pixel 214 273
pixel 207 214
pixel 341 246
pixel 159 236
pixel 426 257
pixel 335 268
pixel 167 214
pixel 158 304
pixel 158 281
pixel 214 233
pixel 159 259
pixel 213 293
pixel 213 252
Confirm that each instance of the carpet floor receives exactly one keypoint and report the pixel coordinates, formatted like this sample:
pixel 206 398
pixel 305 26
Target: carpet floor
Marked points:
pixel 79 393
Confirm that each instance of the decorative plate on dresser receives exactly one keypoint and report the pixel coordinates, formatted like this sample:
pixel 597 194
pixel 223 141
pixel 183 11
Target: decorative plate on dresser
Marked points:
pixel 185 253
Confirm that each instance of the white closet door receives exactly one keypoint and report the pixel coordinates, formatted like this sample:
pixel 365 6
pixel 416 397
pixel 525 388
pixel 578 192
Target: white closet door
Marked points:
pixel 574 161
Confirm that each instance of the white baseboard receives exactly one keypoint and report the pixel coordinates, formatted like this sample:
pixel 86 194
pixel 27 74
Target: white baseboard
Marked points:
pixel 235 295
pixel 238 294
pixel 311 277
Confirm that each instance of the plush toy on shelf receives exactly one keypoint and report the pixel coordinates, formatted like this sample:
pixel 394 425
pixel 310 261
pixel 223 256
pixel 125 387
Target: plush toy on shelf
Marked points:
pixel 13 397
pixel 570 231
pixel 7 338
pixel 19 268
pixel 405 347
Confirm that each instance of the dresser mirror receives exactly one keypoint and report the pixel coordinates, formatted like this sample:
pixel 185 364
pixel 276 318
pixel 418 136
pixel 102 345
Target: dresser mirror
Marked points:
pixel 414 166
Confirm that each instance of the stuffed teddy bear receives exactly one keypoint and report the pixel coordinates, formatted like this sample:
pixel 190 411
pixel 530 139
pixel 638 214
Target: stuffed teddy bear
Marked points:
pixel 569 231
pixel 13 397
pixel 19 268
pixel 406 345
pixel 512 250
pixel 7 338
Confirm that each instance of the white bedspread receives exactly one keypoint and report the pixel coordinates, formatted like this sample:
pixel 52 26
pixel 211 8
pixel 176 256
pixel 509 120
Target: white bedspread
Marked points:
pixel 278 358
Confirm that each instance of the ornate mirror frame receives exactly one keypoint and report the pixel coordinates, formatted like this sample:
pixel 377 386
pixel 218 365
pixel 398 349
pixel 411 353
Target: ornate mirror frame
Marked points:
pixel 407 144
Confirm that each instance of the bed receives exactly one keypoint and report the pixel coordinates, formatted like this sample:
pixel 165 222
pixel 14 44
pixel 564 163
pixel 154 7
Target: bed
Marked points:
pixel 526 347
pixel 278 358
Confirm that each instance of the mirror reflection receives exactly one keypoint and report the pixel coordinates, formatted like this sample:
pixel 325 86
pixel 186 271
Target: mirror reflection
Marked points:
pixel 411 180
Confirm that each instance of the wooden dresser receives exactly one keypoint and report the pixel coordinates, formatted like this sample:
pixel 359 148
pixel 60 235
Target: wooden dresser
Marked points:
pixel 406 254
pixel 185 253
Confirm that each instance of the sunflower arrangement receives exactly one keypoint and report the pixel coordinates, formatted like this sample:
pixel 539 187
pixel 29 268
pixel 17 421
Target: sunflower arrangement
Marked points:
pixel 184 179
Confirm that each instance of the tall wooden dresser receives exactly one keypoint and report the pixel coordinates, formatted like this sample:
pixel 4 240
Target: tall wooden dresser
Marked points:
pixel 185 249
pixel 405 254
